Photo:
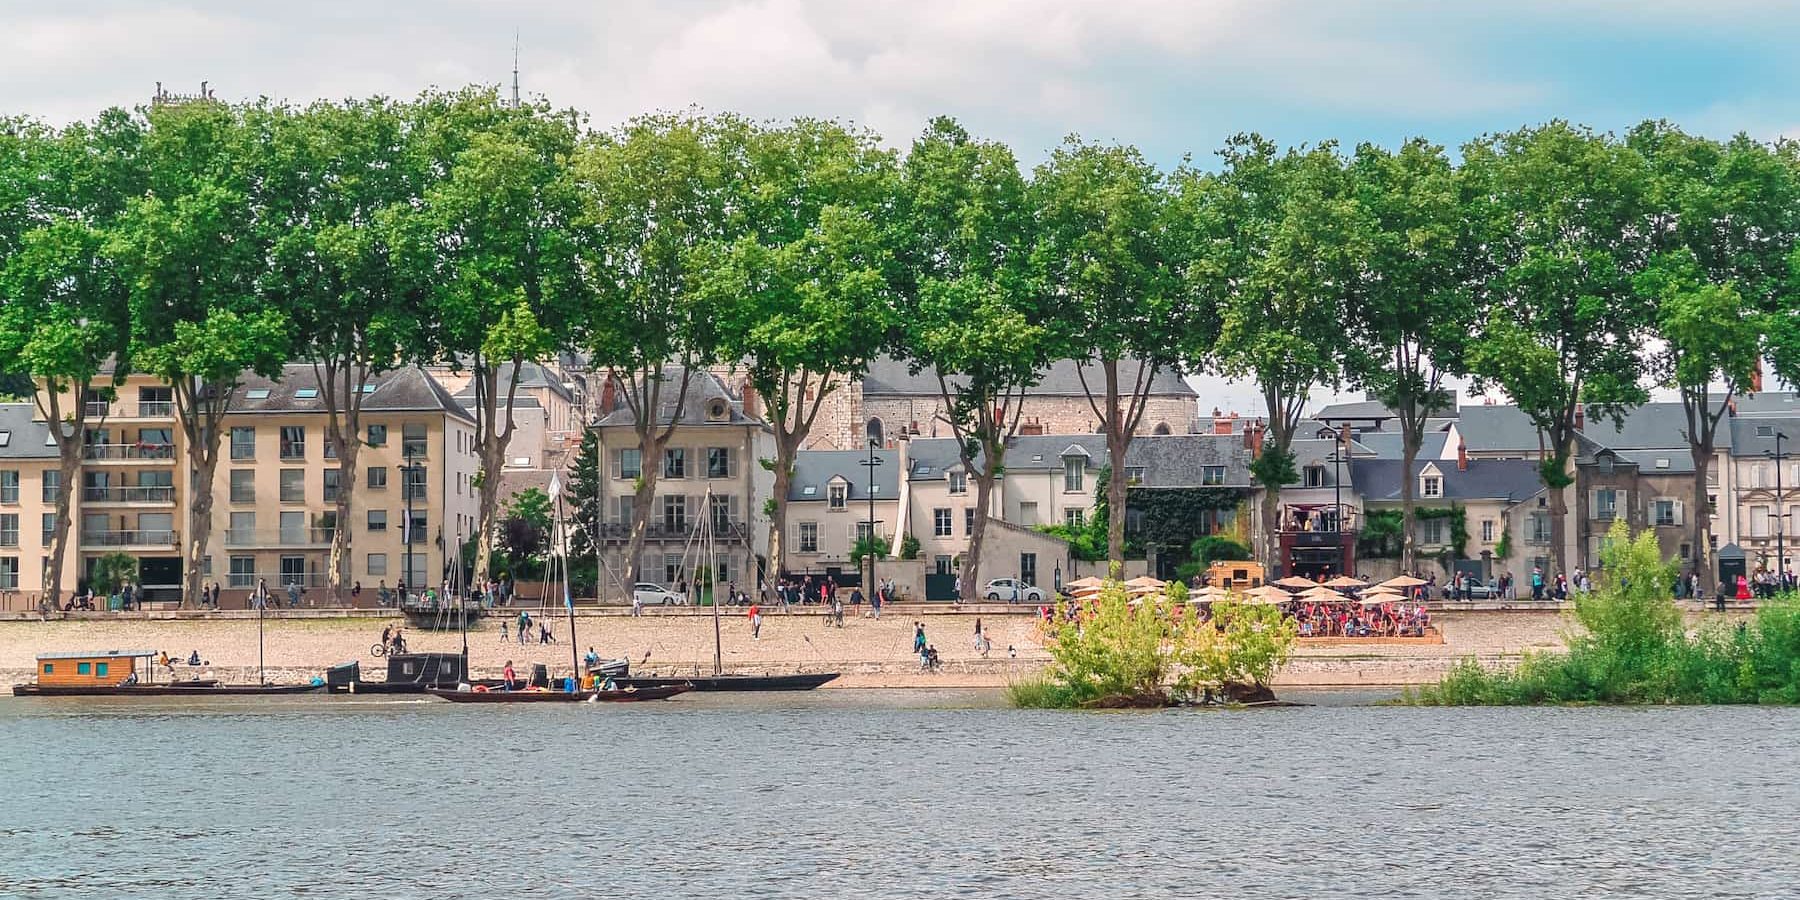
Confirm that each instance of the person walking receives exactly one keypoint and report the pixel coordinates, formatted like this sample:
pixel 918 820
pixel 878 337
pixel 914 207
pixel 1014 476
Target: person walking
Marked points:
pixel 1537 584
pixel 504 634
pixel 507 679
pixel 755 616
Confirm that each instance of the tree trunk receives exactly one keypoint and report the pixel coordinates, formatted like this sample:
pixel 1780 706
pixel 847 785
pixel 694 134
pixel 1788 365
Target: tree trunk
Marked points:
pixel 69 465
pixel 338 572
pixel 493 458
pixel 1409 454
pixel 1559 517
pixel 650 452
pixel 200 517
pixel 1116 441
pixel 786 445
pixel 1271 521
pixel 971 571
pixel 1702 514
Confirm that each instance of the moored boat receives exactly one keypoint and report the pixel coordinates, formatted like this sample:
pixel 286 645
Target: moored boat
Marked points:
pixel 734 682
pixel 621 695
pixel 114 673
pixel 178 689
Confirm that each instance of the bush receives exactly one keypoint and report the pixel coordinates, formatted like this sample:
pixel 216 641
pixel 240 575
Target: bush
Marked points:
pixel 1633 647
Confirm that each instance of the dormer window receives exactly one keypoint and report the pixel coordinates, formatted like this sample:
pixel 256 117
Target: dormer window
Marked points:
pixel 1431 486
pixel 839 495
pixel 1606 464
pixel 1073 467
pixel 1315 476
pixel 959 483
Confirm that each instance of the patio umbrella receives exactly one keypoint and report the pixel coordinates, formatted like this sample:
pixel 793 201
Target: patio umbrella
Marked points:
pixel 1089 583
pixel 1324 594
pixel 1403 581
pixel 1345 581
pixel 1145 581
pixel 1297 583
pixel 1379 599
pixel 1267 595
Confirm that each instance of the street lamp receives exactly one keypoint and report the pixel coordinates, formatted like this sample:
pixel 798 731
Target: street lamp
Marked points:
pixel 1780 517
pixel 406 530
pixel 869 548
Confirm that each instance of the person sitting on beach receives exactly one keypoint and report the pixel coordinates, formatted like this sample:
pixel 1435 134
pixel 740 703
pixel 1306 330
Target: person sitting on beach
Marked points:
pixel 194 658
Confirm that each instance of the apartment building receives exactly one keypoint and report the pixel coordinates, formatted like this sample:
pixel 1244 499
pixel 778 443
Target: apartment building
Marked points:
pixel 29 484
pixel 710 467
pixel 829 510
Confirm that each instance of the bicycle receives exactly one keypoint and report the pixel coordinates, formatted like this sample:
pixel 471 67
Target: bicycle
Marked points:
pixel 380 650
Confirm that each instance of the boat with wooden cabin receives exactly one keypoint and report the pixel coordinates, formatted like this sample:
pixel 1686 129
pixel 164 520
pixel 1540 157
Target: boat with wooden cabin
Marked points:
pixel 114 673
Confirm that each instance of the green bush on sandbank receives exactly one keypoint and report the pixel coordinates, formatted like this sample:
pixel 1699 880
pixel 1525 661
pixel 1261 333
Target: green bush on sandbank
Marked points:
pixel 1633 647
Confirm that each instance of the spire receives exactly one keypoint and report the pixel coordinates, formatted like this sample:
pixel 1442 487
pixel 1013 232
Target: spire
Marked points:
pixel 515 93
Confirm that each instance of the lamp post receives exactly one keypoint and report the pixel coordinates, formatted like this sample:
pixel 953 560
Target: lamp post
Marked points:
pixel 406 531
pixel 1780 517
pixel 869 548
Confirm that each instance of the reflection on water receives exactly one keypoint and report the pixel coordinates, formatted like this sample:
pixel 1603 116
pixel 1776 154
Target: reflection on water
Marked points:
pixel 906 795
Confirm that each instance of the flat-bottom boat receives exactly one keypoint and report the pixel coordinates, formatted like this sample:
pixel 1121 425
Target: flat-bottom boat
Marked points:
pixel 623 695
pixel 734 682
pixel 175 689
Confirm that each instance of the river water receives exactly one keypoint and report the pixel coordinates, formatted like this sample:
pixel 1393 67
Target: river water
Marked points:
pixel 904 795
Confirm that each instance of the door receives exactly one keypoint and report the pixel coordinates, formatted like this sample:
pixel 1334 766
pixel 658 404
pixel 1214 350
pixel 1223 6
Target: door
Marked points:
pixel 1028 568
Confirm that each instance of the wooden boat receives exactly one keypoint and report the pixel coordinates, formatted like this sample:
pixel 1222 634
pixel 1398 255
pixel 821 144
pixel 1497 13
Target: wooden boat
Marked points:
pixel 735 682
pixel 114 673
pixel 177 689
pixel 624 695
pixel 407 673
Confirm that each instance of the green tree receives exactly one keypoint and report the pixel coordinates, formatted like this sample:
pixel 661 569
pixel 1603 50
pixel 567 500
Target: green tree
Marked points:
pixel 112 572
pixel 654 192
pixel 1559 213
pixel 1238 651
pixel 805 299
pixel 192 253
pixel 64 315
pixel 492 238
pixel 1724 222
pixel 1276 242
pixel 336 178
pixel 972 315
pixel 1105 254
pixel 1411 309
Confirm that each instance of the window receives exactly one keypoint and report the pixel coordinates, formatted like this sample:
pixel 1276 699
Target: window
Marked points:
pixel 628 464
pixel 1765 431
pixel 243 485
pixel 1664 511
pixel 377 436
pixel 622 510
pixel 809 537
pixel 940 523
pixel 1487 531
pixel 675 513
pixel 293 528
pixel 412 439
pixel 243 443
pixel 1212 474
pixel 9 529
pixel 1073 467
pixel 1539 530
pixel 1315 476
pixel 293 485
pixel 672 569
pixel 377 564
pixel 83 668
pixel 378 478
pixel 1606 504
pixel 100 670
pixel 242 530
pixel 959 483
pixel 52 486
pixel 256 394
pixel 49 525
pixel 1075 518
pixel 332 479
pixel 9 486
pixel 293 570
pixel 863 530
pixel 293 442
pixel 840 495
pixel 718 462
pixel 377 520
pixel 415 531
pixel 1431 531
pixel 243 571
pixel 675 462
pixel 5 438
pixel 413 482
pixel 941 564
pixel 1028 514
pixel 721 512
pixel 1605 462
pixel 1431 486
pixel 969 521
pixel 306 393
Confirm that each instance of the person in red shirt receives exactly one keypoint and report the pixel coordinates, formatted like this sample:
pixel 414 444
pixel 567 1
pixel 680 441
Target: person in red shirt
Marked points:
pixel 506 675
pixel 755 615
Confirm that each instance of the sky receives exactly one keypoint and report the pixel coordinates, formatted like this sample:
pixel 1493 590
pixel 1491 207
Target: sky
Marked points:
pixel 1174 77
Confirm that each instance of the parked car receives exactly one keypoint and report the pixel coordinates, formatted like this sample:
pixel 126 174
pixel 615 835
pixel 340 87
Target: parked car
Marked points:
pixel 649 594
pixel 1479 590
pixel 1011 590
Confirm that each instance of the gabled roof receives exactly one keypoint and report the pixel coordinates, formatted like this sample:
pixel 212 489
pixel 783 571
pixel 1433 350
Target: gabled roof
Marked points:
pixel 704 388
pixel 929 458
pixel 26 437
pixel 408 389
pixel 1510 480
pixel 1674 462
pixel 814 469
pixel 531 375
pixel 1180 460
pixel 1387 444
pixel 894 377
pixel 1653 426
pixel 1768 403
pixel 1493 429
pixel 1756 436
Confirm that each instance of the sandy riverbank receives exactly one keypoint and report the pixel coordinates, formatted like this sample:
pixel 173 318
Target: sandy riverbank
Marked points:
pixel 870 653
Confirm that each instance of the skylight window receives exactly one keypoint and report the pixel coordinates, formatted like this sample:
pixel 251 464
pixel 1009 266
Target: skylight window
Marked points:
pixel 5 438
pixel 368 388
pixel 809 490
pixel 1662 462
pixel 257 394
pixel 306 393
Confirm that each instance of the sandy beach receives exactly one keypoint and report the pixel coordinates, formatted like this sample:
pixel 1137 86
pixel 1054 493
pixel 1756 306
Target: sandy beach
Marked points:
pixel 868 652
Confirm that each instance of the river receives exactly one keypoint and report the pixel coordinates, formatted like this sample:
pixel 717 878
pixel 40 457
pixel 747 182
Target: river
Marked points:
pixel 914 795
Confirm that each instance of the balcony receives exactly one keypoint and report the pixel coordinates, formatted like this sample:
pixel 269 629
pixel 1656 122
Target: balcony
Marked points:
pixel 155 409
pixel 95 409
pixel 136 538
pixel 129 452
pixel 156 493
pixel 615 533
pixel 284 537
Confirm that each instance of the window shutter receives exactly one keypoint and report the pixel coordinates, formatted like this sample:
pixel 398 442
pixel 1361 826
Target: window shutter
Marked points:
pixel 1678 518
pixel 731 465
pixel 618 463
pixel 1623 508
pixel 732 507
pixel 1593 504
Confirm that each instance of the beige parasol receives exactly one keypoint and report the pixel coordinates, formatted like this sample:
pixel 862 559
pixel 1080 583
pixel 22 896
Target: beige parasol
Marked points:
pixel 1402 581
pixel 1266 595
pixel 1345 581
pixel 1297 583
pixel 1323 594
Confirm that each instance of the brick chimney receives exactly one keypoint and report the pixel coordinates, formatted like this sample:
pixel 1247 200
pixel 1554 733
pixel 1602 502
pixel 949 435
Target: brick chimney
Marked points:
pixel 1462 455
pixel 1223 424
pixel 609 395
pixel 1253 438
pixel 1580 417
pixel 751 407
pixel 1756 377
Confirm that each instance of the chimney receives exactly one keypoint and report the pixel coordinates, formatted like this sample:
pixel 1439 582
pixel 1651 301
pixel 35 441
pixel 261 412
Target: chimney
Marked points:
pixel 1580 417
pixel 750 404
pixel 1256 450
pixel 1756 377
pixel 1462 455
pixel 609 396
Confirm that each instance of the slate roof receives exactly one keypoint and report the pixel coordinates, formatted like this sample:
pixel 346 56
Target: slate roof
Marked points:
pixel 531 375
pixel 1681 462
pixel 1747 441
pixel 1511 480
pixel 1769 403
pixel 1386 444
pixel 1179 460
pixel 704 387
pixel 1653 426
pixel 816 468
pixel 409 389
pixel 893 377
pixel 1488 429
pixel 929 458
pixel 26 438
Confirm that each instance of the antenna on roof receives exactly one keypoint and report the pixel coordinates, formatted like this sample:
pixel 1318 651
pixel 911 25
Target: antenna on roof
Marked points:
pixel 515 94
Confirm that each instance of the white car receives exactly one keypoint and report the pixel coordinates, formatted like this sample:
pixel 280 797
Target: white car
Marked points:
pixel 1011 590
pixel 646 594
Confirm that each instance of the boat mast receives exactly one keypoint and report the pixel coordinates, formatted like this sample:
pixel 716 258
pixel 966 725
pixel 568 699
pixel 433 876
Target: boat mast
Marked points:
pixel 560 540
pixel 710 552
pixel 261 604
pixel 462 603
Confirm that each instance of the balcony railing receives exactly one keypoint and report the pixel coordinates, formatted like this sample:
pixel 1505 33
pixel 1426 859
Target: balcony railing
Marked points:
pixel 664 531
pixel 95 409
pixel 135 538
pixel 138 450
pixel 155 409
pixel 284 537
pixel 156 493
pixel 9 537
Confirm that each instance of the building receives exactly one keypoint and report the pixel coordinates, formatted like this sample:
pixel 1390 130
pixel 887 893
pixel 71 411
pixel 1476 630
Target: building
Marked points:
pixel 30 480
pixel 275 486
pixel 829 510
pixel 1644 473
pixel 710 467
pixel 1501 502
pixel 1764 492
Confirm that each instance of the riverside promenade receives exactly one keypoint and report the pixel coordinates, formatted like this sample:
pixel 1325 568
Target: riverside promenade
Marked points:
pixel 870 653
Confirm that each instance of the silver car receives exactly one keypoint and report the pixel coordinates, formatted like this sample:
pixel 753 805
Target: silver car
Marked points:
pixel 1012 590
pixel 645 593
